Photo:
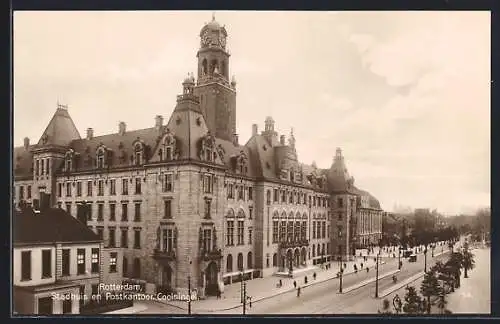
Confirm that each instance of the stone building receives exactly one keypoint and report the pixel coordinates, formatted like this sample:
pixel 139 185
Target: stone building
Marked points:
pixel 58 263
pixel 185 201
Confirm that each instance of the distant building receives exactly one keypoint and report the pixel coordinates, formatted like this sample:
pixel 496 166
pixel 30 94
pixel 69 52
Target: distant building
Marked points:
pixel 58 263
pixel 185 198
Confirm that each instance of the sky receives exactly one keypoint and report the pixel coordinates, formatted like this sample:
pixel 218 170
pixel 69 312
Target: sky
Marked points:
pixel 406 95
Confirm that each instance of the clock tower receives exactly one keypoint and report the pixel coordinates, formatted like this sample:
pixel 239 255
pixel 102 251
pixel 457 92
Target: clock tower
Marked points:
pixel 217 94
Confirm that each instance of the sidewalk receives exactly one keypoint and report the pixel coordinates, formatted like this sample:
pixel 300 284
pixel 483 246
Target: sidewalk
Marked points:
pixel 263 288
pixel 398 286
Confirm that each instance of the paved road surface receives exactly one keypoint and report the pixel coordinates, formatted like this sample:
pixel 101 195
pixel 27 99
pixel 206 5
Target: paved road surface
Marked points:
pixel 324 298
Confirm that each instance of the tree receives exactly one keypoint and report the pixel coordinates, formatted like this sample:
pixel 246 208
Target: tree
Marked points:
pixel 386 307
pixel 455 264
pixel 468 262
pixel 430 288
pixel 413 302
pixel 441 304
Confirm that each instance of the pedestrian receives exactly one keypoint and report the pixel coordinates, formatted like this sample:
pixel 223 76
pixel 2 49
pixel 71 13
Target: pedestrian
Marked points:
pixel 298 292
pixel 314 276
pixel 281 283
pixel 355 268
pixel 345 265
pixel 295 284
pixel 305 280
pixel 361 265
pixel 218 294
pixel 367 269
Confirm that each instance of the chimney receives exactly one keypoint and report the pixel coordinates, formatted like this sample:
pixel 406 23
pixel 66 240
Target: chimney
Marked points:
pixel 26 143
pixel 122 127
pixel 282 139
pixel 235 140
pixel 255 129
pixel 90 133
pixel 158 122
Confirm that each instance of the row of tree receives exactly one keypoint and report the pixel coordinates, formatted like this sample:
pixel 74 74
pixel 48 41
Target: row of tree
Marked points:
pixel 438 282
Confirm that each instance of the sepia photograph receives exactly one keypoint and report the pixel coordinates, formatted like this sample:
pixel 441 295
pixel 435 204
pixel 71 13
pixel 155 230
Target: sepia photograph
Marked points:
pixel 251 163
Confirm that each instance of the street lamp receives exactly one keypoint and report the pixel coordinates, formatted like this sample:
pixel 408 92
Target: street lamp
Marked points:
pixel 340 273
pixel 425 259
pixel 189 288
pixel 376 276
pixel 399 257
pixel 242 284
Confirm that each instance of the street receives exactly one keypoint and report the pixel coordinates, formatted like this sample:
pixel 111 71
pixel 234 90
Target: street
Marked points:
pixel 325 299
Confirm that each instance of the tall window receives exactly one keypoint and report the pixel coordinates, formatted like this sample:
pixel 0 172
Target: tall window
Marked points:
pixel 100 159
pixel 112 187
pixel 137 186
pixel 26 265
pixel 59 189
pixel 65 262
pixel 100 233
pixel 137 214
pixel 137 239
pixel 80 261
pixel 340 202
pixel 67 306
pixel 240 233
pixel 230 191
pixel 250 193
pixel 275 231
pixel 100 188
pixel 208 185
pixel 124 212
pixel 168 240
pixel 250 212
pixel 137 268
pixel 89 188
pixel 79 188
pixel 304 230
pixel 95 260
pixel 168 183
pixel 208 205
pixel 68 189
pixel 283 231
pixel 240 193
pixel 100 212
pixel 168 209
pixel 37 167
pixel 112 212
pixel 323 229
pixel 229 263
pixel 207 240
pixel 124 186
pixel 230 233
pixel 289 231
pixel 250 232
pixel 43 166
pixel 240 261
pixel 296 232
pixel 112 262
pixel 112 237
pixel 46 263
pixel 125 267
pixel 21 192
pixel 268 197
pixel 68 207
pixel 138 154
pixel 314 229
pixel 124 238
pixel 276 195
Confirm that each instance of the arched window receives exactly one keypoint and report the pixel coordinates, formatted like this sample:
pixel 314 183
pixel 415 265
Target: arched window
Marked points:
pixel 138 154
pixel 137 268
pixel 125 267
pixel 69 161
pixel 241 213
pixel 100 158
pixel 240 261
pixel 223 68
pixel 213 66
pixel 229 263
pixel 249 260
pixel 204 66
pixel 268 197
pixel 275 260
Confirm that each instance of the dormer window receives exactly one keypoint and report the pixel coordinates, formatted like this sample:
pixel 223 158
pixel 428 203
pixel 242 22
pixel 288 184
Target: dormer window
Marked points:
pixel 138 157
pixel 100 159
pixel 169 149
pixel 69 159
pixel 69 165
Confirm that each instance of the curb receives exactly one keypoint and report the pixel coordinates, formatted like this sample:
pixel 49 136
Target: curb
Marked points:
pixel 401 285
pixel 349 289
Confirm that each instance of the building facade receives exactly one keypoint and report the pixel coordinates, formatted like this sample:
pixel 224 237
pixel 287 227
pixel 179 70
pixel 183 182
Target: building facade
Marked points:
pixel 185 201
pixel 58 263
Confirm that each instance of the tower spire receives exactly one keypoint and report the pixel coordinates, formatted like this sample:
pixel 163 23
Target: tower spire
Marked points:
pixel 213 15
